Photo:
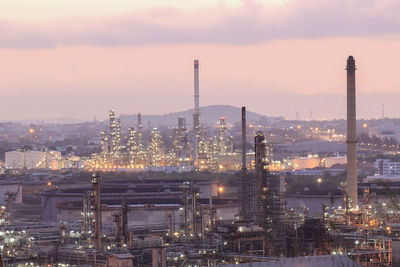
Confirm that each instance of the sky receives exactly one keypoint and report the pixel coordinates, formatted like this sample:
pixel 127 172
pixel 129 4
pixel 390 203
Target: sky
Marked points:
pixel 80 58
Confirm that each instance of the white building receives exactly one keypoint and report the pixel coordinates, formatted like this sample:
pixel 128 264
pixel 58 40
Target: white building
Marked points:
pixel 33 160
pixel 328 162
pixel 305 163
pixel 387 167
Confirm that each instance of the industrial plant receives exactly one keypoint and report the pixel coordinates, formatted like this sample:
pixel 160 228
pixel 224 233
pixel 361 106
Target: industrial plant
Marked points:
pixel 191 149
pixel 203 200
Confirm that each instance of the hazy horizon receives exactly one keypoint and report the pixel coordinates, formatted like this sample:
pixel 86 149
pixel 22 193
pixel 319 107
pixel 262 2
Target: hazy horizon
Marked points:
pixel 300 108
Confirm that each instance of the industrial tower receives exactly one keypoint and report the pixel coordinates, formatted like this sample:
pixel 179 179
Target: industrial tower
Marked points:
pixel 96 181
pixel 196 114
pixel 351 133
pixel 268 207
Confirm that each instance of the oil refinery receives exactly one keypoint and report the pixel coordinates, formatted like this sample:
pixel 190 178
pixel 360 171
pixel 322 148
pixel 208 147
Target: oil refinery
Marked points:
pixel 145 205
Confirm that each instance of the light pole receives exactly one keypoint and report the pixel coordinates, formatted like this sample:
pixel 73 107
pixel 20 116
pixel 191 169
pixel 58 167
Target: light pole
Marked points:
pixel 319 180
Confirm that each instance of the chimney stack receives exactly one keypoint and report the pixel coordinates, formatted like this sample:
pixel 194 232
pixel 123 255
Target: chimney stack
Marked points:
pixel 196 86
pixel 244 139
pixel 351 133
pixel 196 114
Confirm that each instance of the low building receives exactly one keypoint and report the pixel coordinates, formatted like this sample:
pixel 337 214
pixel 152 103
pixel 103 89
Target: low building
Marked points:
pixel 384 178
pixel 305 163
pixel 387 167
pixel 33 160
pixel 121 260
pixel 328 162
pixel 385 131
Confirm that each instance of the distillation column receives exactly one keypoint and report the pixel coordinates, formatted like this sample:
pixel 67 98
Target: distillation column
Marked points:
pixel 140 130
pixel 351 133
pixel 96 181
pixel 259 179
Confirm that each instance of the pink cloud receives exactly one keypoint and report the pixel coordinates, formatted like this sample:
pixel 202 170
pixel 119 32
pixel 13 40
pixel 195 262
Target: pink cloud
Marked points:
pixel 251 23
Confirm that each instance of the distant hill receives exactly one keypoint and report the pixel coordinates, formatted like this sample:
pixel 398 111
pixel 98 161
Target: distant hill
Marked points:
pixel 209 115
pixel 58 120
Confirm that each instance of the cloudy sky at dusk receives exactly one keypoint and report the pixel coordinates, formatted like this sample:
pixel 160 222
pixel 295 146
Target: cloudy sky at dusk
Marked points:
pixel 77 58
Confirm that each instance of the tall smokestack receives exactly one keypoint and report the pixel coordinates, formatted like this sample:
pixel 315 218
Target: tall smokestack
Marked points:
pixel 244 139
pixel 196 86
pixel 245 212
pixel 351 132
pixel 196 114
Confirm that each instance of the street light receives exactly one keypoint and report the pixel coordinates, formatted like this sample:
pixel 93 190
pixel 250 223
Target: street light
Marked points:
pixel 319 180
pixel 220 190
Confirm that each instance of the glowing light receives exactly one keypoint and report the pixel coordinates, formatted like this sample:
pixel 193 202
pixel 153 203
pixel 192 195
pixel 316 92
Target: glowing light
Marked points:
pixel 31 130
pixel 220 189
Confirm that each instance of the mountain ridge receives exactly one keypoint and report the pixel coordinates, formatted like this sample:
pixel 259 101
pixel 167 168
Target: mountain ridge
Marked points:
pixel 209 115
